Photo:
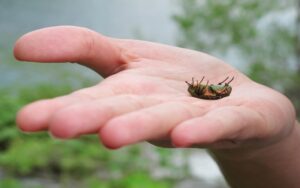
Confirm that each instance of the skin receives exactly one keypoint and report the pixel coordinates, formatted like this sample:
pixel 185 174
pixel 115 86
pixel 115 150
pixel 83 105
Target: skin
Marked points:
pixel 252 133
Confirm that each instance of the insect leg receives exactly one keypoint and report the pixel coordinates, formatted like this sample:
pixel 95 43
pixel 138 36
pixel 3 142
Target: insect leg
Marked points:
pixel 198 87
pixel 223 81
pixel 230 81
pixel 205 86
pixel 201 80
pixel 188 83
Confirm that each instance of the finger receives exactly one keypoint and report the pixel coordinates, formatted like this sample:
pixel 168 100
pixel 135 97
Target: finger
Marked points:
pixel 222 127
pixel 36 116
pixel 147 124
pixel 71 44
pixel 88 117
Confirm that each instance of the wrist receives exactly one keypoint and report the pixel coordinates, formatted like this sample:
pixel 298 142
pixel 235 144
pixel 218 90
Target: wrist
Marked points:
pixel 283 146
pixel 275 165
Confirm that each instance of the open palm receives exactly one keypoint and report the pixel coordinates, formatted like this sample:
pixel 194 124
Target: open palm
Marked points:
pixel 144 96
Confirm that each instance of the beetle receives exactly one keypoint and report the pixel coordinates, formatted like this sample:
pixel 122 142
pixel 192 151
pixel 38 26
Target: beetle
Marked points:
pixel 210 92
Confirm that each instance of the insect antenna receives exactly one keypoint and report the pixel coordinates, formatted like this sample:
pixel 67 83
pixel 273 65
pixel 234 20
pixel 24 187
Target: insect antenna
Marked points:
pixel 223 81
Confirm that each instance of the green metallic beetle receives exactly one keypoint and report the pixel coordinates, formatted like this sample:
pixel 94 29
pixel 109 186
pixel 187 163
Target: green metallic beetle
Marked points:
pixel 210 92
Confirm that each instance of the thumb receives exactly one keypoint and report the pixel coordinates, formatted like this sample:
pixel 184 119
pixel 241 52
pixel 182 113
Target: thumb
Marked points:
pixel 72 44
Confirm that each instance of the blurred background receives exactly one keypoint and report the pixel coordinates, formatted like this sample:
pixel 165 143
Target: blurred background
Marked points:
pixel 260 38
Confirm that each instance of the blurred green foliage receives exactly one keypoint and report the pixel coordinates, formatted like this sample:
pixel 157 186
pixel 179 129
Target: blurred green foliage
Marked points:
pixel 83 161
pixel 216 25
pixel 10 183
pixel 252 32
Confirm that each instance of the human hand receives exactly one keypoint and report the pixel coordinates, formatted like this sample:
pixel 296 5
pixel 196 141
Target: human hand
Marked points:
pixel 144 95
